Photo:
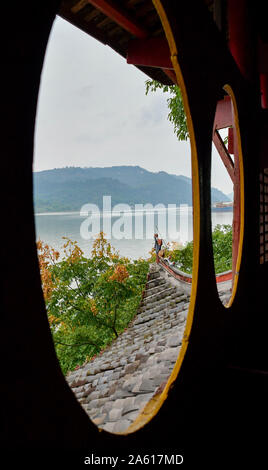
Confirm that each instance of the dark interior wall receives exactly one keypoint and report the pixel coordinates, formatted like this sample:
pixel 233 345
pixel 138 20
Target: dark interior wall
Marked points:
pixel 36 403
pixel 38 409
pixel 223 340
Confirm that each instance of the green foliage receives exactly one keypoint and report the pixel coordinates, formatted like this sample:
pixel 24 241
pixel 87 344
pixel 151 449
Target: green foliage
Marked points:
pixel 89 300
pixel 222 251
pixel 222 248
pixel 175 105
pixel 183 258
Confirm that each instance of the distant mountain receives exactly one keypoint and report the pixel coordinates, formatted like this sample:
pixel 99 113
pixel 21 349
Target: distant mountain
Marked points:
pixel 67 189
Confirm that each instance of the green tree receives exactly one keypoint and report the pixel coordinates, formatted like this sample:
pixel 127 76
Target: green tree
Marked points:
pixel 183 258
pixel 222 251
pixel 176 113
pixel 222 247
pixel 89 300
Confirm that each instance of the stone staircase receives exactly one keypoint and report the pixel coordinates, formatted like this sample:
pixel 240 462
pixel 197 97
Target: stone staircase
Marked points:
pixel 115 386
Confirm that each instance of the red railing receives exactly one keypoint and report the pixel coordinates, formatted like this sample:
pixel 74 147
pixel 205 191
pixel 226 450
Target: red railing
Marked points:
pixel 185 277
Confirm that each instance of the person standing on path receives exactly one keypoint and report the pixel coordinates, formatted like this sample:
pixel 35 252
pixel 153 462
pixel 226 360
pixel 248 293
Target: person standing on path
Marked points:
pixel 157 246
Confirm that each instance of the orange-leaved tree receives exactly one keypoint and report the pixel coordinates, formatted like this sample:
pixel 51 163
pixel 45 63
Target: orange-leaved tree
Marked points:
pixel 89 300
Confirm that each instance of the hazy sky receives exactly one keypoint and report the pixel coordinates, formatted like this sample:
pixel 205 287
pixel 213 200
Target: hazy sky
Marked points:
pixel 93 111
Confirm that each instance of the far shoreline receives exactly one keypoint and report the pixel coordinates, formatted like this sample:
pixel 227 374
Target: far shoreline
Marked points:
pixel 78 212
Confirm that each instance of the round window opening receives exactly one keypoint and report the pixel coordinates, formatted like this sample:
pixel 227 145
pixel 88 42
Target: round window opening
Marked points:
pixel 120 315
pixel 227 206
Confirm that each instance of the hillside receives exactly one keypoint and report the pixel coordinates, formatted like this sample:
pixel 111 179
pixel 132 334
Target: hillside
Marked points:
pixel 67 189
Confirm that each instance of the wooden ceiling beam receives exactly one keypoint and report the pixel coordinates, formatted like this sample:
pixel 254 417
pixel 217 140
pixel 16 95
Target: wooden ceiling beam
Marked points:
pixel 122 19
pixel 119 16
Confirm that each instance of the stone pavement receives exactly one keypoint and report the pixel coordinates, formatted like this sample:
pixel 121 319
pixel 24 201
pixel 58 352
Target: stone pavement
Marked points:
pixel 115 386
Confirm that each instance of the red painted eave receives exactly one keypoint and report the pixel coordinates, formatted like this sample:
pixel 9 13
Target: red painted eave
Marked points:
pixel 151 52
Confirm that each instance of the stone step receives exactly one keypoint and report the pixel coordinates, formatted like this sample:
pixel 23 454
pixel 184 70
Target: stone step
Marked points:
pixel 155 282
pixel 165 308
pixel 159 295
pixel 148 306
pixel 159 317
pixel 144 317
pixel 153 275
pixel 156 289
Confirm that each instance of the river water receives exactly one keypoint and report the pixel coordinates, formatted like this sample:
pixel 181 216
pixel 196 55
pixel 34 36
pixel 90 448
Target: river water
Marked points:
pixel 139 229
